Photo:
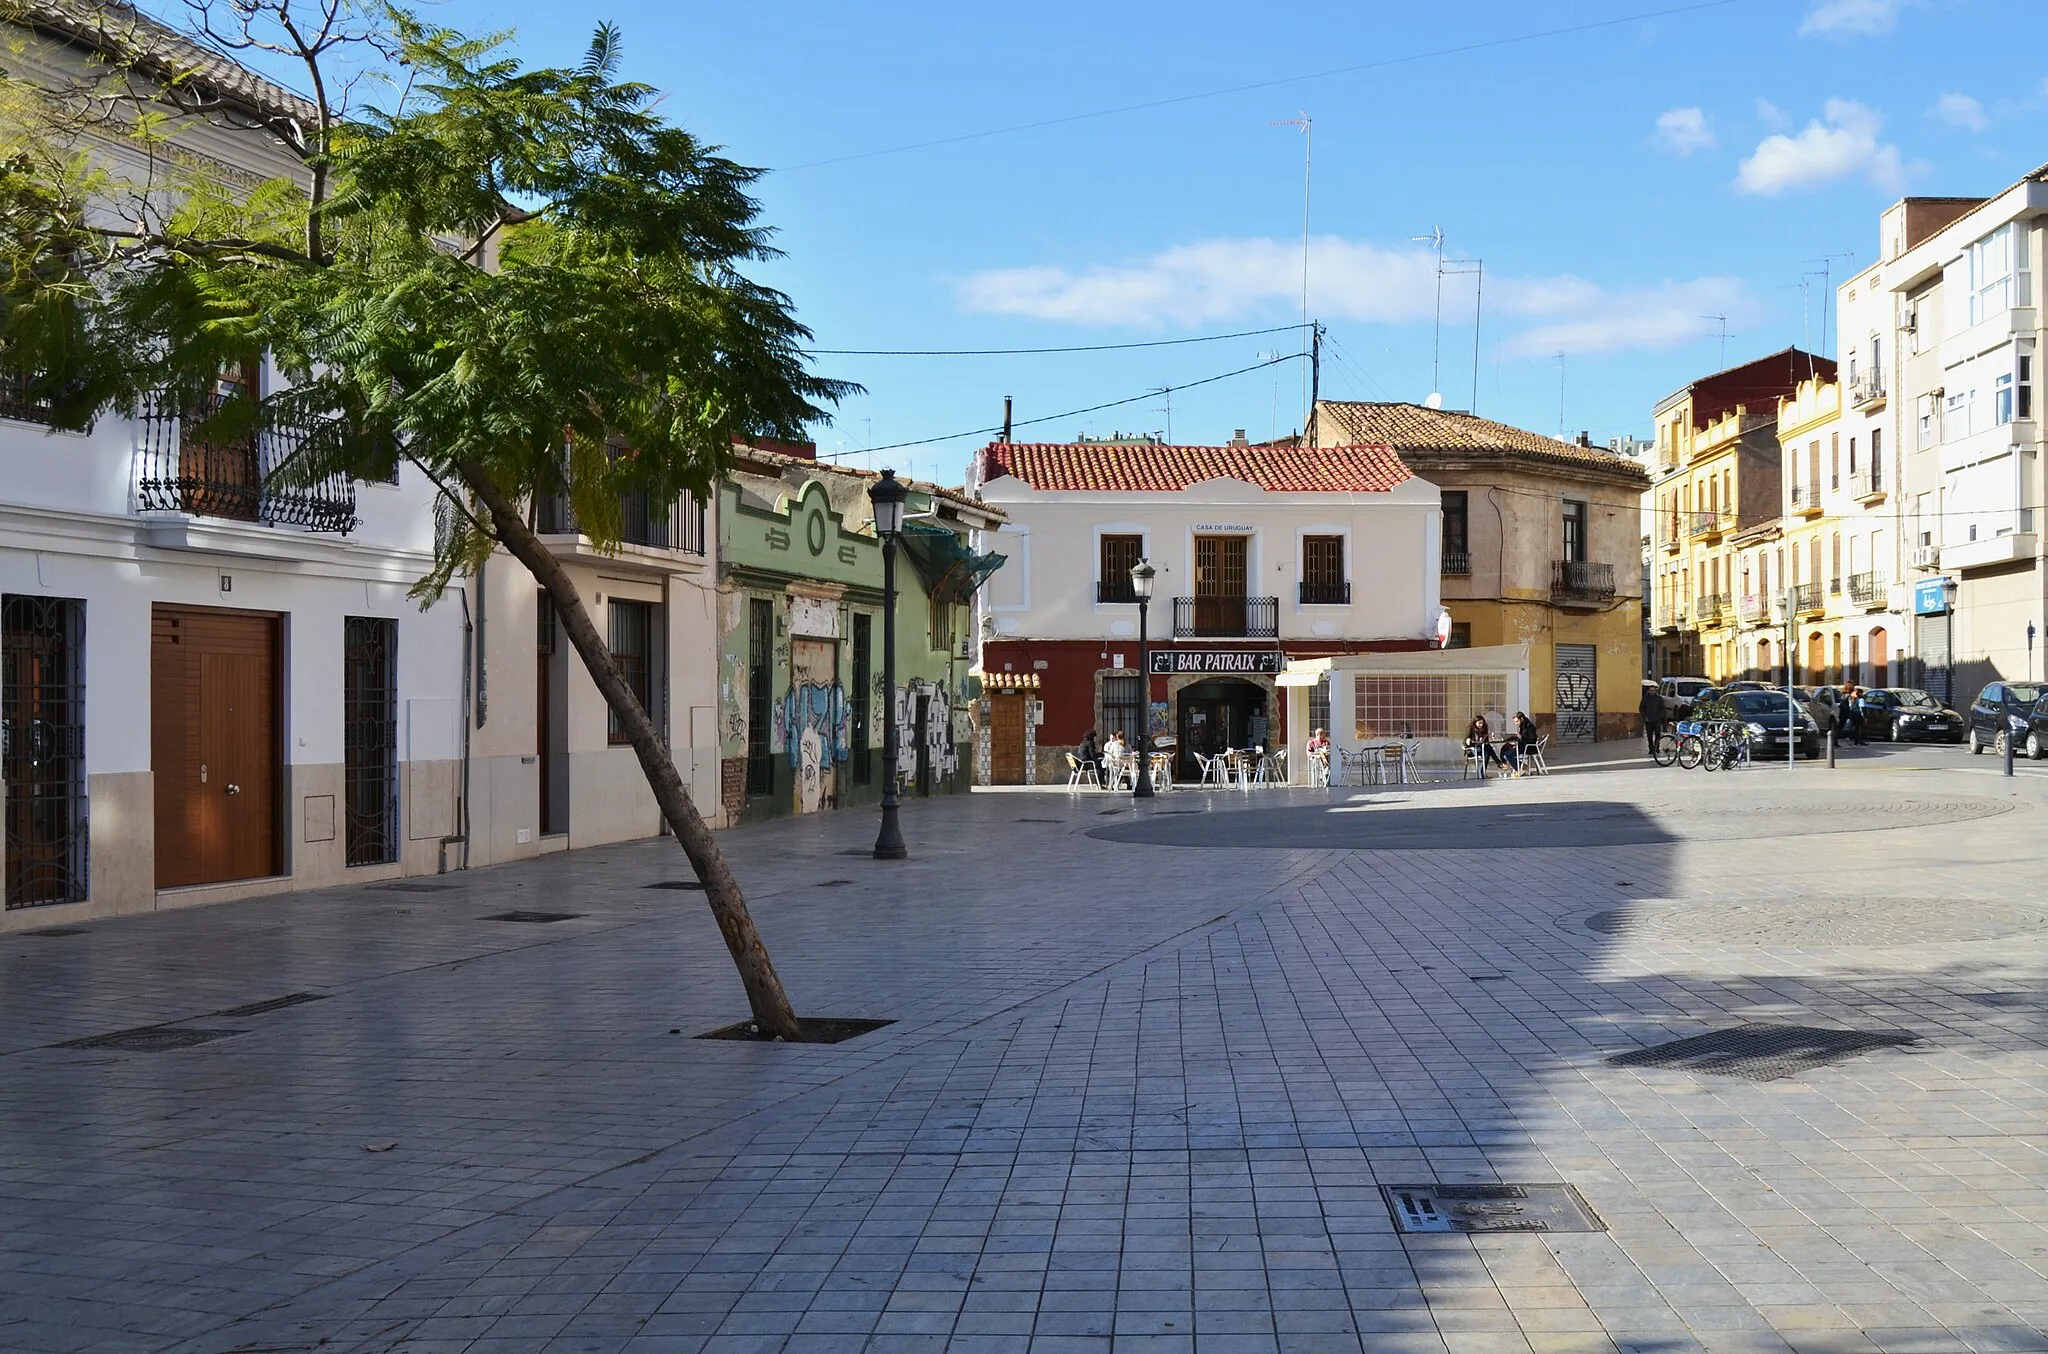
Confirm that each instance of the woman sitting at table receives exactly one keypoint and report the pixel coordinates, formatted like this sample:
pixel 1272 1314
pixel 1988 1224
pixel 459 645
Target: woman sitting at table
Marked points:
pixel 1479 735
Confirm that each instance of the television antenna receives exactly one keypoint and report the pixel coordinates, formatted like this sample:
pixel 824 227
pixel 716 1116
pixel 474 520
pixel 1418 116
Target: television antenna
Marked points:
pixel 1307 125
pixel 1435 241
pixel 1722 364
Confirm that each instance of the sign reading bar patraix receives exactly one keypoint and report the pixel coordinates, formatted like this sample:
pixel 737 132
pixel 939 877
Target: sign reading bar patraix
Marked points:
pixel 1217 660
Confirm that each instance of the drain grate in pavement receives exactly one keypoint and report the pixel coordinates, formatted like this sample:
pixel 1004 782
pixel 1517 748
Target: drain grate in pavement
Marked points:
pixel 149 1039
pixel 820 1031
pixel 1761 1052
pixel 690 885
pixel 54 931
pixel 536 917
pixel 1489 1208
pixel 274 1004
pixel 410 886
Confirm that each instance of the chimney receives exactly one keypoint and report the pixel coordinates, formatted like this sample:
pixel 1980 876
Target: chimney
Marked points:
pixel 1006 418
pixel 1237 438
pixel 1585 438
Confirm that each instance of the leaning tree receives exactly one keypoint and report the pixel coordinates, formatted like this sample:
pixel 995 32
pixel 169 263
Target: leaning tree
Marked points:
pixel 523 281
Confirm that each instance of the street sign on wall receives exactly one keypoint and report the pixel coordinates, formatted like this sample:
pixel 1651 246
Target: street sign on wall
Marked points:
pixel 1175 661
pixel 1930 597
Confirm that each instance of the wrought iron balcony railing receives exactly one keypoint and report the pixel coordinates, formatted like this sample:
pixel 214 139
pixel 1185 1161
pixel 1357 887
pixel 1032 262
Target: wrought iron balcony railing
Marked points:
pixel 1711 607
pixel 183 466
pixel 1754 607
pixel 1707 523
pixel 16 403
pixel 1226 617
pixel 1326 593
pixel 1868 589
pixel 640 521
pixel 1806 597
pixel 1115 590
pixel 1457 562
pixel 1574 580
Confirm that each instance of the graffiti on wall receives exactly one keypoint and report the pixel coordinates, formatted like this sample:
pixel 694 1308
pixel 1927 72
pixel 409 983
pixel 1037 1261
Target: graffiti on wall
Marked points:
pixel 941 753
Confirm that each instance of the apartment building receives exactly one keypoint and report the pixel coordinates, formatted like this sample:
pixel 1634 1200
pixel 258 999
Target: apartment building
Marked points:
pixel 1957 287
pixel 1717 509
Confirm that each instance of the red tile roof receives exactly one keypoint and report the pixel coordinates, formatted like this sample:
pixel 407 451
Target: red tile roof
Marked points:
pixel 1150 468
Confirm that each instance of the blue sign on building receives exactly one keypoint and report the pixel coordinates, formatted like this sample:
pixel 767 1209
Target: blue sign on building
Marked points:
pixel 1930 597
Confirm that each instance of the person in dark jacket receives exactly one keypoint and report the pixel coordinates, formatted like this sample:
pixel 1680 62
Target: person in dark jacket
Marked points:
pixel 1652 709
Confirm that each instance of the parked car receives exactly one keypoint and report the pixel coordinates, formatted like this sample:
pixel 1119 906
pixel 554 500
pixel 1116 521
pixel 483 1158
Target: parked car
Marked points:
pixel 2009 710
pixel 1903 714
pixel 1749 686
pixel 1768 722
pixel 1820 702
pixel 1682 693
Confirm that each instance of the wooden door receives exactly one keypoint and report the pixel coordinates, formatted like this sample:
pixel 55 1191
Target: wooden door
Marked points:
pixel 214 744
pixel 1219 585
pixel 1006 738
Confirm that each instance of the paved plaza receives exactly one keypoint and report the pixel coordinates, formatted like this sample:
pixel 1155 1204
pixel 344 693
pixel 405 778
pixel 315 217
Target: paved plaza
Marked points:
pixel 1148 1072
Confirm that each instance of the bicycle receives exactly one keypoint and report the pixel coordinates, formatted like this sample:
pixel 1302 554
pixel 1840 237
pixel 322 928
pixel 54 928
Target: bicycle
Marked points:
pixel 1691 744
pixel 1726 747
pixel 1666 751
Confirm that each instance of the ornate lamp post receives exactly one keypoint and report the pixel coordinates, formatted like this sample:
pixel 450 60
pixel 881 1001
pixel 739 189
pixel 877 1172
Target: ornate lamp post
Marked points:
pixel 888 496
pixel 1141 587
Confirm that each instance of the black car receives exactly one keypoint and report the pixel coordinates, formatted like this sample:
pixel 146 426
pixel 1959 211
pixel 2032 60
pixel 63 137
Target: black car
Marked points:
pixel 1904 714
pixel 1765 717
pixel 2009 709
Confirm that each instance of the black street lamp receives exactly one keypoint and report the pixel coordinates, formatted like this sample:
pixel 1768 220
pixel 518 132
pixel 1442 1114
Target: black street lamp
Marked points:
pixel 1141 588
pixel 888 496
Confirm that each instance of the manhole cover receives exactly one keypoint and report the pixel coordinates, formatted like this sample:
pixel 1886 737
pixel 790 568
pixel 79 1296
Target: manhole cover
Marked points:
pixel 1760 1052
pixel 531 916
pixel 819 1031
pixel 689 885
pixel 55 931
pixel 412 887
pixel 274 1004
pixel 149 1039
pixel 1489 1208
pixel 1800 921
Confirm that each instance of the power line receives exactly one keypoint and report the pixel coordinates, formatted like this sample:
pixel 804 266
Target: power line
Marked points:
pixel 1072 413
pixel 1023 352
pixel 1459 50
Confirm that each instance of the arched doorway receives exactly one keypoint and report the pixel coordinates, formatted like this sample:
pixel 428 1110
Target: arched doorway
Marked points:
pixel 1816 655
pixel 1763 660
pixel 1880 658
pixel 1218 713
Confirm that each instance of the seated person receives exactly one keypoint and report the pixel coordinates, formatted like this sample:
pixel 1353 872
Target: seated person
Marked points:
pixel 1116 747
pixel 1090 749
pixel 1479 735
pixel 1319 744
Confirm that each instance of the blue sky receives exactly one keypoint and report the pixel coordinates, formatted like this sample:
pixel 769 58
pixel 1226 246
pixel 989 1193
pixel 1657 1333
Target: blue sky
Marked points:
pixel 1620 183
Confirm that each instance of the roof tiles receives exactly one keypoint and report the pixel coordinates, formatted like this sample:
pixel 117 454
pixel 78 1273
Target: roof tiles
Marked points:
pixel 1416 430
pixel 1120 467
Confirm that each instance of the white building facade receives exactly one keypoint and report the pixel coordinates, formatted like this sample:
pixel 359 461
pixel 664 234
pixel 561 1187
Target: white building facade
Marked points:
pixel 1263 554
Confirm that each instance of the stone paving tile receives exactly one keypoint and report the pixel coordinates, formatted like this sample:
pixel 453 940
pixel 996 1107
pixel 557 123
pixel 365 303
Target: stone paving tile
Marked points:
pixel 1137 1094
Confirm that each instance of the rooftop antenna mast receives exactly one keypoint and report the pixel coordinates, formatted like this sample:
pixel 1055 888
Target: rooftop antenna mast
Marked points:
pixel 1474 268
pixel 1722 365
pixel 1168 410
pixel 1560 397
pixel 1307 125
pixel 1435 240
pixel 1826 262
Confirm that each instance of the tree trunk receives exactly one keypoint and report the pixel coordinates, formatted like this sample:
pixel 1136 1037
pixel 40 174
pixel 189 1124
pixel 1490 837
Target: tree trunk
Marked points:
pixel 757 972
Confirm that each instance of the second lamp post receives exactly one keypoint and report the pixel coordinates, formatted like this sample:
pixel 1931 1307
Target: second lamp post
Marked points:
pixel 1141 587
pixel 889 496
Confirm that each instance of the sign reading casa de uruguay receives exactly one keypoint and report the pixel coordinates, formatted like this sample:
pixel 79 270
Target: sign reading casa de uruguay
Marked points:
pixel 1171 661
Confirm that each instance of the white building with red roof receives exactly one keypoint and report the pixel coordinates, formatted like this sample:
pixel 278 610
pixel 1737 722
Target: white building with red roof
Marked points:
pixel 1264 553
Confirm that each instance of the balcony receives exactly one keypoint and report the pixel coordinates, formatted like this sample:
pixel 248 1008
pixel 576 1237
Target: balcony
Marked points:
pixel 1457 562
pixel 1708 524
pixel 1868 486
pixel 1754 609
pixel 1869 590
pixel 16 402
pixel 1575 582
pixel 183 466
pixel 1226 618
pixel 1806 498
pixel 1113 590
pixel 1671 538
pixel 1866 393
pixel 1711 608
pixel 1806 599
pixel 641 522
pixel 1336 593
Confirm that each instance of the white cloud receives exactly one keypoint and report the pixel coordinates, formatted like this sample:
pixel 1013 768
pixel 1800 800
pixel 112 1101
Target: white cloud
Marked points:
pixel 1214 280
pixel 1663 316
pixel 1770 115
pixel 1843 145
pixel 1960 110
pixel 1853 18
pixel 1682 131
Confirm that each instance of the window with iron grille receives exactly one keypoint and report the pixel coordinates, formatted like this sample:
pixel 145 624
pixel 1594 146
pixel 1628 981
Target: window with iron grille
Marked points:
pixel 760 695
pixel 42 749
pixel 1123 708
pixel 858 699
pixel 1119 555
pixel 1322 571
pixel 632 646
pixel 369 737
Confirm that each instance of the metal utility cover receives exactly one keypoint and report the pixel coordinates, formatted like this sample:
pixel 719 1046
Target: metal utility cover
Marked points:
pixel 1761 1052
pixel 531 916
pixel 1489 1208
pixel 149 1039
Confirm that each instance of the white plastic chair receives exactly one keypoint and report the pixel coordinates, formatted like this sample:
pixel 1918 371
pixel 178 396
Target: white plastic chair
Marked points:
pixel 1533 761
pixel 1319 771
pixel 1475 762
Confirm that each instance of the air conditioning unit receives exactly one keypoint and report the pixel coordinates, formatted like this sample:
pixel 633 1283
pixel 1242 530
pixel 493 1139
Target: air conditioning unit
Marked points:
pixel 1909 317
pixel 1926 557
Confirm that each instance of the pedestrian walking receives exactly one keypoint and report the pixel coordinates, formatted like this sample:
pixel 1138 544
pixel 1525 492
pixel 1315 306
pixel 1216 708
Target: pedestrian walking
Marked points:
pixel 1852 714
pixel 1652 708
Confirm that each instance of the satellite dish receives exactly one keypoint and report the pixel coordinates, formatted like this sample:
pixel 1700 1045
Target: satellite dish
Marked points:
pixel 1435 400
